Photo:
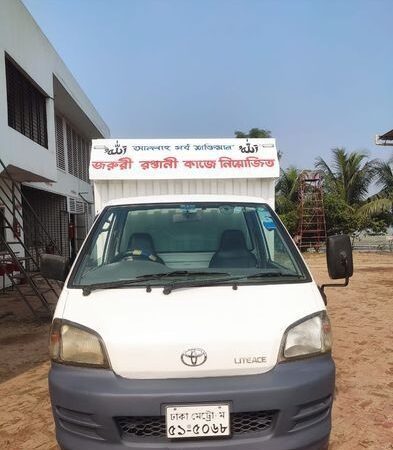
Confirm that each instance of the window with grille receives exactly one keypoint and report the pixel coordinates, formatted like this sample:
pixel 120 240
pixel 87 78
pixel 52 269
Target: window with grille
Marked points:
pixel 60 155
pixel 26 106
pixel 78 153
pixel 86 154
pixel 74 152
pixel 69 150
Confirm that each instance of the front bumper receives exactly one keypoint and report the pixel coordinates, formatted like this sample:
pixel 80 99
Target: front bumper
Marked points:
pixel 86 403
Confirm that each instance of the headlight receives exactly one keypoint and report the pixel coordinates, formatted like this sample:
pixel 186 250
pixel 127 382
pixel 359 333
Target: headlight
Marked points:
pixel 309 337
pixel 74 344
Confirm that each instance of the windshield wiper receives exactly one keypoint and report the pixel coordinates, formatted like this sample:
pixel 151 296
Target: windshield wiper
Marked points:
pixel 151 276
pixel 202 283
pixel 109 285
pixel 170 287
pixel 277 273
pixel 177 273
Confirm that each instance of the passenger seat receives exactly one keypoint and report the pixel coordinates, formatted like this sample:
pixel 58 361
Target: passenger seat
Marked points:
pixel 233 251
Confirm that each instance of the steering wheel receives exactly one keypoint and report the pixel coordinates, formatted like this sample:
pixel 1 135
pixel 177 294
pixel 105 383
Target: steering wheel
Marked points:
pixel 137 253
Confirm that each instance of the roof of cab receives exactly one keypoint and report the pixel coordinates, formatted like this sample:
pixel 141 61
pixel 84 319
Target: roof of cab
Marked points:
pixel 156 199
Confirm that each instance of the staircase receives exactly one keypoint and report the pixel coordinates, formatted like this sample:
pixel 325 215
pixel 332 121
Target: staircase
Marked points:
pixel 18 263
pixel 312 224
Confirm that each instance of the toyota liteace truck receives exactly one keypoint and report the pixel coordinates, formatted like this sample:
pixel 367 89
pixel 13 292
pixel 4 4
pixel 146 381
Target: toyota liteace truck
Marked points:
pixel 189 319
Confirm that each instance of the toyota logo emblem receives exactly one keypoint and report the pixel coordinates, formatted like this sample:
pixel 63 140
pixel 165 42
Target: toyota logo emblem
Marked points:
pixel 194 357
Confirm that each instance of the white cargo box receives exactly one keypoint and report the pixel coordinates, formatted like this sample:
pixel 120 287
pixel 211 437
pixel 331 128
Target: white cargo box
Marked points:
pixel 123 168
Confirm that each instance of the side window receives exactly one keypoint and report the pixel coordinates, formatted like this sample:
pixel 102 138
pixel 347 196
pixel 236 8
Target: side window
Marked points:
pixel 279 254
pixel 99 252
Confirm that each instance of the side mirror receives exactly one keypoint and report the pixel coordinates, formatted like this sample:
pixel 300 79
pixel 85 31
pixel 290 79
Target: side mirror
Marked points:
pixel 54 267
pixel 339 256
pixel 339 261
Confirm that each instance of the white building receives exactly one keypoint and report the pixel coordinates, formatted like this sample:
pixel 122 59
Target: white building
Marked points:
pixel 46 125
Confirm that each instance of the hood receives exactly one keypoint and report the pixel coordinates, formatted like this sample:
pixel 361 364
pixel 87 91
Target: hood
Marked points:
pixel 193 332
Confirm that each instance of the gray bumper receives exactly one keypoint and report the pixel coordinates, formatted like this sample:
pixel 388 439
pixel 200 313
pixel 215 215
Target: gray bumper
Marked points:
pixel 86 403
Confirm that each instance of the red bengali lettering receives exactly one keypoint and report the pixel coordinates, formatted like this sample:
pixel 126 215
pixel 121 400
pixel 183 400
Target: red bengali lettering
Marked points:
pixel 189 164
pixel 269 162
pixel 144 164
pixel 170 163
pixel 167 163
pixel 200 164
pixel 111 165
pixel 225 162
pixel 98 165
pixel 125 163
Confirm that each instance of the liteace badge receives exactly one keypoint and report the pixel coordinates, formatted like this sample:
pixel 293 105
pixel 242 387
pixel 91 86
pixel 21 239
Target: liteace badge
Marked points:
pixel 250 360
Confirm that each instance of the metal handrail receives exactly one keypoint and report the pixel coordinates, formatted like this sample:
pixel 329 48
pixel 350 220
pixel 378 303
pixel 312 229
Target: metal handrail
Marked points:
pixel 31 209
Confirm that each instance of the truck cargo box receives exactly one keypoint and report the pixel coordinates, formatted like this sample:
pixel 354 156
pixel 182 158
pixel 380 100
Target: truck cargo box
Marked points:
pixel 138 167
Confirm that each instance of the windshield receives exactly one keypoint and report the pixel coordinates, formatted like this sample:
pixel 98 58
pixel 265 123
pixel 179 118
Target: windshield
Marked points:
pixel 209 242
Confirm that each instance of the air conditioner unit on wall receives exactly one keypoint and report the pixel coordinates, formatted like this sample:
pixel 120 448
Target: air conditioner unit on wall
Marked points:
pixel 75 206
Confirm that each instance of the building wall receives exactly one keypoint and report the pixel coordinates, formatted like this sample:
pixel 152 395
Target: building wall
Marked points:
pixel 23 41
pixel 48 184
pixel 69 184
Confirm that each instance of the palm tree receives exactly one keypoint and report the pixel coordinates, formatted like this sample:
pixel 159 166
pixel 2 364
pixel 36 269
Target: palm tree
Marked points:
pixel 383 200
pixel 287 189
pixel 287 186
pixel 349 176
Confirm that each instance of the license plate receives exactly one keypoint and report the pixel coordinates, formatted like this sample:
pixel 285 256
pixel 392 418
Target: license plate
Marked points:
pixel 197 421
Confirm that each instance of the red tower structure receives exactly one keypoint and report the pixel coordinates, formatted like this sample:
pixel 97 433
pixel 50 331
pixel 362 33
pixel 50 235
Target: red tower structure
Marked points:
pixel 312 225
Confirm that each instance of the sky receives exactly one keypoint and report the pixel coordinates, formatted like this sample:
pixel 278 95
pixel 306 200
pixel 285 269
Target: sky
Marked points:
pixel 317 73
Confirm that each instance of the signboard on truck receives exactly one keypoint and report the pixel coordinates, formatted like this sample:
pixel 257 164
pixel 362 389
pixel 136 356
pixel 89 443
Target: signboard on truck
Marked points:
pixel 158 159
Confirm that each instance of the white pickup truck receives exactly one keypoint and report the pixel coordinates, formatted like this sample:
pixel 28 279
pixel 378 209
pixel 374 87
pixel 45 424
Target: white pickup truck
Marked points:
pixel 189 319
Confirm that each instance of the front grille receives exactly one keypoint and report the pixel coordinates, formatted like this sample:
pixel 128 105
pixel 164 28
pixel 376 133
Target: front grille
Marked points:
pixel 251 422
pixel 153 427
pixel 142 427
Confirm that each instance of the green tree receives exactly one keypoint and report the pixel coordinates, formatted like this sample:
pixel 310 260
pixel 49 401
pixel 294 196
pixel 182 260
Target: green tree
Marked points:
pixel 287 196
pixel 347 180
pixel 255 133
pixel 349 176
pixel 382 202
pixel 288 184
pixel 340 217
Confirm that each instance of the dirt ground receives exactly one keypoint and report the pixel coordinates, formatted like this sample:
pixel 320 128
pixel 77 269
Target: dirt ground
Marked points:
pixel 362 319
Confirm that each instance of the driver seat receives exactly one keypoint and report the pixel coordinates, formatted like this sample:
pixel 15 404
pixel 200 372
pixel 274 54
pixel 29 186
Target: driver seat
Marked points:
pixel 141 244
pixel 233 251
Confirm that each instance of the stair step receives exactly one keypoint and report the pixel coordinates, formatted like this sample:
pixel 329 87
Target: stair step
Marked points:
pixel 316 230
pixel 46 291
pixel 23 280
pixel 33 294
pixel 35 275
pixel 18 276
